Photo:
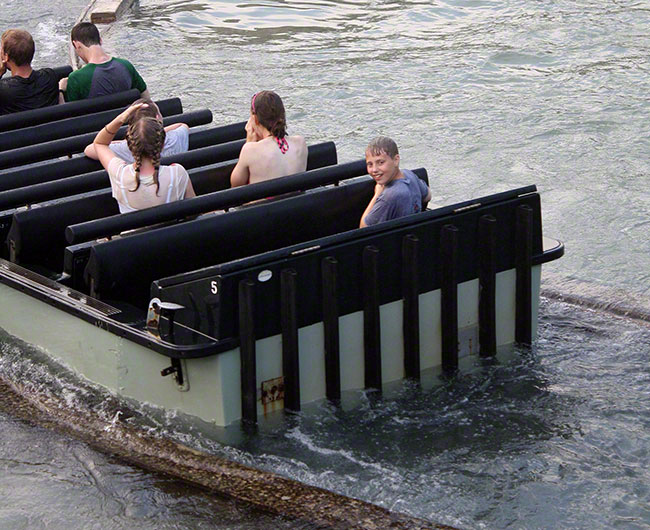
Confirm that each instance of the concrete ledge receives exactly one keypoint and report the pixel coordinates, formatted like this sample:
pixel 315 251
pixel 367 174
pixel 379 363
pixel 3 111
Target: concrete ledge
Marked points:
pixel 597 296
pixel 107 11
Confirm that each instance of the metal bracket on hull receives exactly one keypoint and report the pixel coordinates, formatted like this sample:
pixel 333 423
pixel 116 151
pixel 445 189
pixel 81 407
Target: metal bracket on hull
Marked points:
pixel 179 371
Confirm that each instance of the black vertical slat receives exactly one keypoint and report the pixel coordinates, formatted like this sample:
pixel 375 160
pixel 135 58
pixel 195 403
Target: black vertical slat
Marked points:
pixel 371 326
pixel 411 307
pixel 487 242
pixel 449 296
pixel 290 358
pixel 247 352
pixel 524 261
pixel 331 329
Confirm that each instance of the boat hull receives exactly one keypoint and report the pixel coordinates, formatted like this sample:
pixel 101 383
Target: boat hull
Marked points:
pixel 211 387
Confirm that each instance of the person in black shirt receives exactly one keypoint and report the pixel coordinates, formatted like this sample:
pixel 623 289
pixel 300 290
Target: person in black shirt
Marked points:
pixel 26 89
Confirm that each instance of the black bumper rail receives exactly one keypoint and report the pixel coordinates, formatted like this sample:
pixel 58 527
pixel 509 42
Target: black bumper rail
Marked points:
pixel 27 176
pixel 55 130
pixel 322 157
pixel 76 144
pixel 96 180
pixel 29 118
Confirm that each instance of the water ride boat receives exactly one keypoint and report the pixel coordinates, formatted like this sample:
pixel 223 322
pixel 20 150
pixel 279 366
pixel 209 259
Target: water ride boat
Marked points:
pixel 245 301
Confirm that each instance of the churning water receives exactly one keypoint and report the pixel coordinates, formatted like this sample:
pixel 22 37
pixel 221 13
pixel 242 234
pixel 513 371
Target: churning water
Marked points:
pixel 487 96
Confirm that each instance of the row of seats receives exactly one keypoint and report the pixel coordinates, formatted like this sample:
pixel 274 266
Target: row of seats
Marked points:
pixel 14 178
pixel 59 238
pixel 39 152
pixel 36 237
pixel 28 118
pixel 46 132
pixel 123 269
pixel 55 188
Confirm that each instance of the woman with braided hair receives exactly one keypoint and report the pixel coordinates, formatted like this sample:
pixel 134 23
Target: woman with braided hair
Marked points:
pixel 177 135
pixel 268 152
pixel 143 183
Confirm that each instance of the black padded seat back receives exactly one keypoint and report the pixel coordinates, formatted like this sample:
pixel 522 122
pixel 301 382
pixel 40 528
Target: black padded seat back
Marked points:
pixel 216 177
pixel 96 180
pixel 28 118
pixel 61 169
pixel 123 269
pixel 39 152
pixel 37 236
pixel 74 126
pixel 321 155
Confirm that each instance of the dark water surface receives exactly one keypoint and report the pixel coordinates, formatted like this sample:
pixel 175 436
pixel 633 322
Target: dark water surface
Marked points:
pixel 487 96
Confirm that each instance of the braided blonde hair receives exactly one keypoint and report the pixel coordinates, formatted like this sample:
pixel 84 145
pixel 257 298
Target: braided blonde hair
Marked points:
pixel 145 139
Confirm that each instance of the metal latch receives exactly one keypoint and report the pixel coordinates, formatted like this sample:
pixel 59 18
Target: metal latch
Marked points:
pixel 158 309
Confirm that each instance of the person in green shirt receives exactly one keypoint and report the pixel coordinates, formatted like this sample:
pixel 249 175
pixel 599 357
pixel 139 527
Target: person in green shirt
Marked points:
pixel 103 74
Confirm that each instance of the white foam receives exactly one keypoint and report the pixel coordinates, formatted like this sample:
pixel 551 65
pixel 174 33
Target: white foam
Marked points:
pixel 299 436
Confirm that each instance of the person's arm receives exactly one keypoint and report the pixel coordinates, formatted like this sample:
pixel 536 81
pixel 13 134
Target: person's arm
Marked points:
pixel 118 147
pixel 71 89
pixel 426 194
pixel 241 173
pixel 189 190
pixel 136 79
pixel 378 189
pixel 176 126
pixel 90 152
pixel 108 132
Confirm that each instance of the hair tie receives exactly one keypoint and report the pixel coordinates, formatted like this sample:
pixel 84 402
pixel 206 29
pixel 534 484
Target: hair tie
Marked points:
pixel 253 102
pixel 282 144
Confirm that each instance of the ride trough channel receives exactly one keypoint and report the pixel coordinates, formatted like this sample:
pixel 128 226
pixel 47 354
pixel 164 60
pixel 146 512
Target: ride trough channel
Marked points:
pixel 242 302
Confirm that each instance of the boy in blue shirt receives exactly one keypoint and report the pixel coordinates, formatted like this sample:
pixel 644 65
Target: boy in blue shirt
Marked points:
pixel 397 192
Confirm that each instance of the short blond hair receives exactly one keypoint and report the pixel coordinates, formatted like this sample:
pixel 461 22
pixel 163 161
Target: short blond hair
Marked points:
pixel 383 144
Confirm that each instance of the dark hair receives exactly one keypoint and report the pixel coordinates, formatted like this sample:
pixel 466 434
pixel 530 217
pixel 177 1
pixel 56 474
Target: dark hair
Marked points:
pixel 145 138
pixel 383 144
pixel 86 33
pixel 19 46
pixel 268 108
pixel 150 111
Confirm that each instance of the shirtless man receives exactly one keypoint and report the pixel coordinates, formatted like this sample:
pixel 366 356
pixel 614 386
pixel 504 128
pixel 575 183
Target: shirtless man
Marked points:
pixel 268 152
pixel 398 192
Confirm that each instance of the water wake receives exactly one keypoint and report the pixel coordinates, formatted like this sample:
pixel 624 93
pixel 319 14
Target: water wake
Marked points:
pixel 263 490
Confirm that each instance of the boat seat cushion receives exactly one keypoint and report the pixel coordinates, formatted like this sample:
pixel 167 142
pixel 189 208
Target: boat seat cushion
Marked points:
pixel 124 268
pixel 37 236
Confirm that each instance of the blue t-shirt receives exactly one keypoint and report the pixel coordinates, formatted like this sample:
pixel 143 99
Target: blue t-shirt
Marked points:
pixel 400 197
